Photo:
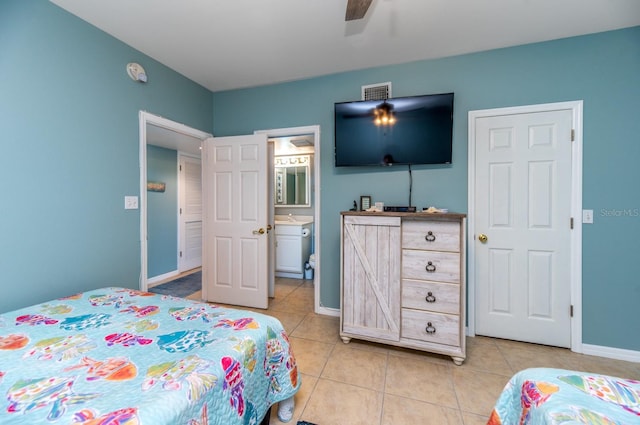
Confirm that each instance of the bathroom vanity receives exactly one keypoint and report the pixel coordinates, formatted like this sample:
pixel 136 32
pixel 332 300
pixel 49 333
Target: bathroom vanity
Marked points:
pixel 293 245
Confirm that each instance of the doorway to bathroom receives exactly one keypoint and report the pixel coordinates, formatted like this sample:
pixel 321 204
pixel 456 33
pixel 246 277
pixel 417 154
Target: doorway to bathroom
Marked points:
pixel 294 200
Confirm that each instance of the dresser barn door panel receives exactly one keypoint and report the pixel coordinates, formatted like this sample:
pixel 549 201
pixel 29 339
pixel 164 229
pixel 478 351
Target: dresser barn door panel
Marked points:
pixel 371 277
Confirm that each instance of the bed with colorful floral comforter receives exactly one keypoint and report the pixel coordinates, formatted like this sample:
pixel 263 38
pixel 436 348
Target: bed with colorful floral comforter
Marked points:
pixel 119 356
pixel 555 396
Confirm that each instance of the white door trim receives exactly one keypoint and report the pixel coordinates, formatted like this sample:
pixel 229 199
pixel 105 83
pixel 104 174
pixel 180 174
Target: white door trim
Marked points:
pixel 315 130
pixel 271 245
pixel 145 118
pixel 576 209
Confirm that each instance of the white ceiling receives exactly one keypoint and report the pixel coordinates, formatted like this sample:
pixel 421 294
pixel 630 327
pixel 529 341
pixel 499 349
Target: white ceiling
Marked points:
pixel 228 44
pixel 172 139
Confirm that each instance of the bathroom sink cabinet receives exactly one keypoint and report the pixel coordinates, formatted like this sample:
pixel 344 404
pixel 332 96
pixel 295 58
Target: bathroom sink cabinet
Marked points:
pixel 292 249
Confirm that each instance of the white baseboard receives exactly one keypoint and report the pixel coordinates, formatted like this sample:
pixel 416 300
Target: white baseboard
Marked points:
pixel 153 281
pixel 290 275
pixel 611 353
pixel 602 351
pixel 328 311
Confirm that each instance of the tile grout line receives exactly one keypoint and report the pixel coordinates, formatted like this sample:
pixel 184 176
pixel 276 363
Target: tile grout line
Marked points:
pixel 384 386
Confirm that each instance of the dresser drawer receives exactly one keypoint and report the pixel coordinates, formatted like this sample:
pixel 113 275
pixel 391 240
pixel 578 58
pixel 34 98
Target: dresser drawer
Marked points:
pixel 431 265
pixel 431 327
pixel 432 235
pixel 432 296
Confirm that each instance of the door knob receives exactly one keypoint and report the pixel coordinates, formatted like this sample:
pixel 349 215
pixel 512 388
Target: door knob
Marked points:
pixel 482 238
pixel 260 231
pixel 269 227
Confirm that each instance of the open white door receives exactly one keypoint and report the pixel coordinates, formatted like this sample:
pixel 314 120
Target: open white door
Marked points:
pixel 235 254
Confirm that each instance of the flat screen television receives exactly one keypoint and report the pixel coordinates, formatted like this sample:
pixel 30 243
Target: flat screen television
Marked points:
pixel 421 134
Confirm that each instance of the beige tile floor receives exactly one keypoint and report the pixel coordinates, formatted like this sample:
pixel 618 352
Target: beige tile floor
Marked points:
pixel 365 383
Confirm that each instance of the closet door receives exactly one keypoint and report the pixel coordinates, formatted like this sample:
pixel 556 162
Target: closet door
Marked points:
pixel 190 212
pixel 523 197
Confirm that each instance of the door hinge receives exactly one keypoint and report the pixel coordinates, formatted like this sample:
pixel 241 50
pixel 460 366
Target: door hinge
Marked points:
pixel 571 310
pixel 181 214
pixel 572 222
pixel 573 135
pixel 180 254
pixel 180 167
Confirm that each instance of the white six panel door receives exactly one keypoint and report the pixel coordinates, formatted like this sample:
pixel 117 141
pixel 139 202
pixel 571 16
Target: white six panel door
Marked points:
pixel 523 206
pixel 235 220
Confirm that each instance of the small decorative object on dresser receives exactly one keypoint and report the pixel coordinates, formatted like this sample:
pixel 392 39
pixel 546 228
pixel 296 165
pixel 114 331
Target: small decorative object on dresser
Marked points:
pixel 365 203
pixel 410 290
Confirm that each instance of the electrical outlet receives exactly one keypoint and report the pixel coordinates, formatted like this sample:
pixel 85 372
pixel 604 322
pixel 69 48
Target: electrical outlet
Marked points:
pixel 587 216
pixel 130 202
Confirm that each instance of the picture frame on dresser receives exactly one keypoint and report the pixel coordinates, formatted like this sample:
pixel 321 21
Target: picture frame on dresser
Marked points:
pixel 365 202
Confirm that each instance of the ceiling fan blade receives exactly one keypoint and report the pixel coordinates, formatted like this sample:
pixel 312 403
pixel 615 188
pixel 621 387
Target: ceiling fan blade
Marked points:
pixel 356 9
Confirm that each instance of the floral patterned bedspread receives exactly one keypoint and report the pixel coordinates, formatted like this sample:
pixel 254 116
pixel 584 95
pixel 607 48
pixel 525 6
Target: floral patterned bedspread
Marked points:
pixel 555 396
pixel 119 356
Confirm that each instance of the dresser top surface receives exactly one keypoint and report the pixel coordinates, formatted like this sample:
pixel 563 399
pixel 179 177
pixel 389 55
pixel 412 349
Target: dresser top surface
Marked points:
pixel 450 216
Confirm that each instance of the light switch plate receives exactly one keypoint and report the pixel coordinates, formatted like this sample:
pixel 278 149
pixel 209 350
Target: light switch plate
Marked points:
pixel 587 216
pixel 130 202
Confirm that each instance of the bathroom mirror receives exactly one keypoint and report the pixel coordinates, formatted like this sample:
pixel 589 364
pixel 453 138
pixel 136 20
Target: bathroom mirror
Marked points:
pixel 292 181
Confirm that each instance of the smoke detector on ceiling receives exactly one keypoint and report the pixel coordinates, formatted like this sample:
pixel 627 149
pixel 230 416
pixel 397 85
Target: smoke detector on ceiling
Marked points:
pixel 136 72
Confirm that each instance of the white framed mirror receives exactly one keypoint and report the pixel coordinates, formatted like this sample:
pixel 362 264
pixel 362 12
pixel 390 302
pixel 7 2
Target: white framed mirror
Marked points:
pixel 291 181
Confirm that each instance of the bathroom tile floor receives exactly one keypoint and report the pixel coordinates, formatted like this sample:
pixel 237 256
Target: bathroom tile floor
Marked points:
pixel 366 383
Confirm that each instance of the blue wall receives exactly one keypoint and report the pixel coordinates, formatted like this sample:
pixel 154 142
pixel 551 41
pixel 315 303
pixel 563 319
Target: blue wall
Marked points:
pixel 601 69
pixel 70 149
pixel 69 136
pixel 162 212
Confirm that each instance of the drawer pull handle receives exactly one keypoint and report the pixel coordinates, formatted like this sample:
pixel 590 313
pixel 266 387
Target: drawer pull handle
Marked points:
pixel 430 298
pixel 430 267
pixel 430 329
pixel 430 237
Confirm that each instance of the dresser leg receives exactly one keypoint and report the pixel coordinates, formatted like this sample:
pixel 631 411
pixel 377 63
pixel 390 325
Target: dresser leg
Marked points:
pixel 345 339
pixel 457 360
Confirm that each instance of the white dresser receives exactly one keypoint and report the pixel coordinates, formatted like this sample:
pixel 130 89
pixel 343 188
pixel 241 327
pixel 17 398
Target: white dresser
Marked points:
pixel 403 280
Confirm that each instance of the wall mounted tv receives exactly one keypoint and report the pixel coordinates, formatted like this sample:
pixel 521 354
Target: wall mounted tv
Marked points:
pixel 421 134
